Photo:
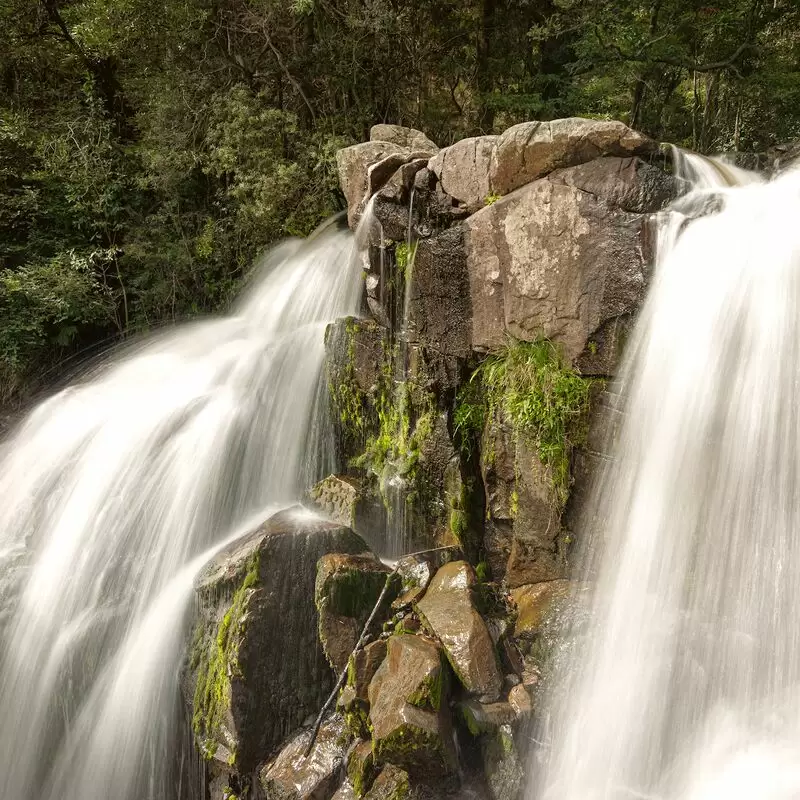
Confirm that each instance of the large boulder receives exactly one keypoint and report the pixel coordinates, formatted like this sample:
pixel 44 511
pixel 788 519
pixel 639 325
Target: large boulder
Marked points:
pixel 409 138
pixel 448 611
pixel 438 308
pixel 293 776
pixel 408 709
pixel 630 184
pixel 464 170
pixel 346 591
pixel 257 669
pixel 353 164
pixel 553 260
pixel 531 150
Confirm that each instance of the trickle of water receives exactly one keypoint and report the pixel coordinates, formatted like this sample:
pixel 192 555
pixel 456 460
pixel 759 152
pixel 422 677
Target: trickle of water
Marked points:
pixel 116 490
pixel 687 682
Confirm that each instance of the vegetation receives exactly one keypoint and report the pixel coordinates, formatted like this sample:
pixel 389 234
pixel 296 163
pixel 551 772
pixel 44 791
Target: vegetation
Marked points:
pixel 543 400
pixel 148 151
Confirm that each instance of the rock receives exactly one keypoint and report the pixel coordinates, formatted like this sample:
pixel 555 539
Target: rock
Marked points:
pixel 485 717
pixel 464 170
pixel 409 138
pixel 535 602
pixel 346 590
pixel 520 701
pixel 363 666
pixel 291 776
pixel 503 767
pixel 354 357
pixel 345 791
pixel 438 305
pixel 353 164
pixel 522 536
pixel 531 150
pixel 448 611
pixel 408 709
pixel 552 260
pixel 257 668
pixel 626 183
pixel 392 784
pixel 361 768
pixel 353 700
pixel 342 499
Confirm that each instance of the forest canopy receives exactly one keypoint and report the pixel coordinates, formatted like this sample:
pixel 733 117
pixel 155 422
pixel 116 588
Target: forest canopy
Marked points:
pixel 150 150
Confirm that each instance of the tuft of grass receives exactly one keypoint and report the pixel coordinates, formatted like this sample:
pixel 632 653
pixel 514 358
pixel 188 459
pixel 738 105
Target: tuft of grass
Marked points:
pixel 538 393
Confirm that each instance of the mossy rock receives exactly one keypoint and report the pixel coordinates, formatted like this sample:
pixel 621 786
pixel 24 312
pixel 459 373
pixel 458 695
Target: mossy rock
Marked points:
pixel 346 590
pixel 256 668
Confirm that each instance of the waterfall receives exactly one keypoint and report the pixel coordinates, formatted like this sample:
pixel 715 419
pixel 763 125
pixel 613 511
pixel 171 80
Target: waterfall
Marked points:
pixel 686 678
pixel 115 492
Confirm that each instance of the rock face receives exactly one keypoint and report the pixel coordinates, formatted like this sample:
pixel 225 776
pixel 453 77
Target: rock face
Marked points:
pixel 448 611
pixel 555 261
pixel 257 668
pixel 531 150
pixel 408 709
pixel 464 170
pixel 409 138
pixel 292 776
pixel 346 590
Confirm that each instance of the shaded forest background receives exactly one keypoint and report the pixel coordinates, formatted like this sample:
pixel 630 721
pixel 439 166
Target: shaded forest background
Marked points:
pixel 150 149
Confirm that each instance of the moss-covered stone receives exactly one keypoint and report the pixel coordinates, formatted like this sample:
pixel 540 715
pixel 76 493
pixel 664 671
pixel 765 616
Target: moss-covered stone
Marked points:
pixel 391 784
pixel 361 768
pixel 256 668
pixel 346 590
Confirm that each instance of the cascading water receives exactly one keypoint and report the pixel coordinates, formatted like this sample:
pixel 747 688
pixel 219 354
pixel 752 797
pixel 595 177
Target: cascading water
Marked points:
pixel 117 490
pixel 686 683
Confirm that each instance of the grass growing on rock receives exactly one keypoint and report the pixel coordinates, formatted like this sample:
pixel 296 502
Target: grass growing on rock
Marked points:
pixel 536 391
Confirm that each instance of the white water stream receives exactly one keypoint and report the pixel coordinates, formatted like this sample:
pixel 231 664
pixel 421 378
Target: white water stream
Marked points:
pixel 686 685
pixel 114 494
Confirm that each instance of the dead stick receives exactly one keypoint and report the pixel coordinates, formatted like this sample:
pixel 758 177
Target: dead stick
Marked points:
pixel 359 644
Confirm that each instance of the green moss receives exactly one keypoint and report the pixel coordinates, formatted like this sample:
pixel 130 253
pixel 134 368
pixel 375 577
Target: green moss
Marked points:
pixel 408 745
pixel 483 571
pixel 430 692
pixel 361 771
pixel 469 414
pixel 217 662
pixel 353 592
pixel 544 400
pixel 350 402
pixel 469 720
pixel 404 255
pixel 356 720
pixel 491 199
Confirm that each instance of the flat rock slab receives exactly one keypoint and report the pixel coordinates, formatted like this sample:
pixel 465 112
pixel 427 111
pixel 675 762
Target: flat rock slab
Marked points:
pixel 449 613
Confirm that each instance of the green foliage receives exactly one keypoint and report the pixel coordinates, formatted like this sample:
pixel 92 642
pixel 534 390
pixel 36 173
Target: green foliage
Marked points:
pixel 544 400
pixel 404 255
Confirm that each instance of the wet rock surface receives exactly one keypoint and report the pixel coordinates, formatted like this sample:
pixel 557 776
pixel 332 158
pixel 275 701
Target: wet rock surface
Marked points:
pixel 346 590
pixel 408 709
pixel 448 612
pixel 293 776
pixel 256 667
